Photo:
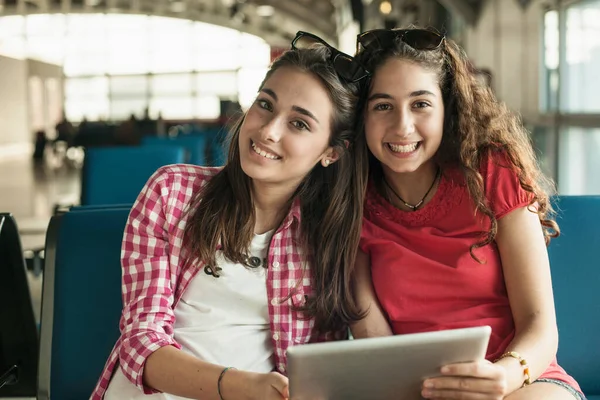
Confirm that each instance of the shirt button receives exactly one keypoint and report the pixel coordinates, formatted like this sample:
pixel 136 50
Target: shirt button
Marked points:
pixel 274 301
pixel 275 336
pixel 275 264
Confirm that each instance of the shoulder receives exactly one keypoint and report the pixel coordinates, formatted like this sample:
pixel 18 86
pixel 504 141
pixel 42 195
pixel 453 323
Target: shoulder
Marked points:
pixel 496 161
pixel 502 185
pixel 181 178
pixel 174 186
pixel 186 173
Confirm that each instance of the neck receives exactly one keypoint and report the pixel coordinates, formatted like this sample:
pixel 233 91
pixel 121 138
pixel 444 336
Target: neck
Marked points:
pixel 412 186
pixel 270 203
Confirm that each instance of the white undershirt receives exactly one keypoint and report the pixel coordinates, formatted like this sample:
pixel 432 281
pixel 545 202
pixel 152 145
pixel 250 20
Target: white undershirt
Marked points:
pixel 222 320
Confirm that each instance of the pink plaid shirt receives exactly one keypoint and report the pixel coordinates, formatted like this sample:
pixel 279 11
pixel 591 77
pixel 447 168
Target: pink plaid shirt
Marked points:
pixel 154 279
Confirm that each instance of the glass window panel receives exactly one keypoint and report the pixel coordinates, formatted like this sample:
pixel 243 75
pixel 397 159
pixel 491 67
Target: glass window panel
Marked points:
pixel 86 87
pixel 121 109
pixel 134 86
pixel 551 39
pixel 544 140
pixel 83 64
pixel 255 55
pixel 549 87
pixel 161 85
pixel 579 162
pixel 217 60
pixel 122 61
pixel 93 108
pixel 204 37
pixel 247 40
pixel 46 49
pixel 86 24
pixel 45 25
pixel 95 43
pixel 128 52
pixel 249 81
pixel 13 25
pixel 172 107
pixel 218 83
pixel 579 77
pixel 14 47
pixel 207 107
pixel 171 53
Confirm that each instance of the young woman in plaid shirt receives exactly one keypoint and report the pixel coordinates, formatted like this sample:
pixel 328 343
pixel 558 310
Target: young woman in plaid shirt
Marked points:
pixel 228 267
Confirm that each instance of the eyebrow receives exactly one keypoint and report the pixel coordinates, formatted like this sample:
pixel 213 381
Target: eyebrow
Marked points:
pixel 270 93
pixel 298 109
pixel 305 112
pixel 417 93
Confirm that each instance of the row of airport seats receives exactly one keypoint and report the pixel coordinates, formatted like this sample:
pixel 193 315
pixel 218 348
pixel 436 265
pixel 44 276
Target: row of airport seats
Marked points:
pixel 82 303
pixel 116 175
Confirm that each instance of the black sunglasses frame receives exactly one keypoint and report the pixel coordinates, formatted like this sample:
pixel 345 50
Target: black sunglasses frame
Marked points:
pixel 354 73
pixel 385 37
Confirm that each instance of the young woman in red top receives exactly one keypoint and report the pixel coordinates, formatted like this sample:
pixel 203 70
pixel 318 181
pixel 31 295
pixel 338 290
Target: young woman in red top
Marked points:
pixel 457 218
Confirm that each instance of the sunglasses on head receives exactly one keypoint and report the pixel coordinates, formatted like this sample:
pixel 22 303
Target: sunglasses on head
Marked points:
pixel 345 66
pixel 418 39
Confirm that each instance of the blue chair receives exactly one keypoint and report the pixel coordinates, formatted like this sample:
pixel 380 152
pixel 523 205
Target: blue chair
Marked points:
pixel 576 282
pixel 81 301
pixel 18 328
pixel 100 207
pixel 195 146
pixel 117 175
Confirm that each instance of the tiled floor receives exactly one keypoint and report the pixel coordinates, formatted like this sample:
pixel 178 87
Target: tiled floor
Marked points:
pixel 30 191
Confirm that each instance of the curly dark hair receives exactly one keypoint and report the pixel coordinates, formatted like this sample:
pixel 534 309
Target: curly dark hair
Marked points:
pixel 475 124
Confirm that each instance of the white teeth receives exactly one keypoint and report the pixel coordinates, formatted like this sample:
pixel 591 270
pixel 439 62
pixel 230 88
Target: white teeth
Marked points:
pixel 403 149
pixel 263 153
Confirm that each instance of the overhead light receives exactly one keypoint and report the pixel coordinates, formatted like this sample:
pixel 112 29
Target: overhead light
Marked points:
pixel 385 7
pixel 265 11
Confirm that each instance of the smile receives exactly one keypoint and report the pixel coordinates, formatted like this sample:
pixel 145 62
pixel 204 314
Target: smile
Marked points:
pixel 407 148
pixel 263 152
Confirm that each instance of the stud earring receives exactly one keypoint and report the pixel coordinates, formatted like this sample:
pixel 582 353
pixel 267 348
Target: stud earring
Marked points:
pixel 327 162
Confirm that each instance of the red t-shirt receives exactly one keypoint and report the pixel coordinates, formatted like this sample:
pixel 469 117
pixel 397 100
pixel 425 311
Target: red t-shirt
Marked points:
pixel 422 270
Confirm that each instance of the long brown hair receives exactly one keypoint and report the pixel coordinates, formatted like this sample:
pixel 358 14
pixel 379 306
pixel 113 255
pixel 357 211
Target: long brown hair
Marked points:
pixel 475 123
pixel 331 201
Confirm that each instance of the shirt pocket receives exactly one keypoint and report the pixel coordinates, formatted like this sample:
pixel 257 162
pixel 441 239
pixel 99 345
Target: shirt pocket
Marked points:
pixel 301 323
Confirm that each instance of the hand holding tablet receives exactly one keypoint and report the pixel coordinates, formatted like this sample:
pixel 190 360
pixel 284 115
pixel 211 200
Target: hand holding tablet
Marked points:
pixel 386 368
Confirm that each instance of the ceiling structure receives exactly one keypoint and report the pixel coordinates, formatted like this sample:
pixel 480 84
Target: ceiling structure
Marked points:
pixel 467 9
pixel 276 21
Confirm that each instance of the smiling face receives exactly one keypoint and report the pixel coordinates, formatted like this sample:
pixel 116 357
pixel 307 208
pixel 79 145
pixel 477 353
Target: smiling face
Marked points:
pixel 404 116
pixel 287 130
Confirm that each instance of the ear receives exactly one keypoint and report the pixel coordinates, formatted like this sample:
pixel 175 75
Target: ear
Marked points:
pixel 330 156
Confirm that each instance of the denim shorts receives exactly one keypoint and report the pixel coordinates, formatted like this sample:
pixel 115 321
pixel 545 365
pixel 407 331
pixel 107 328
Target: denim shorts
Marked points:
pixel 577 394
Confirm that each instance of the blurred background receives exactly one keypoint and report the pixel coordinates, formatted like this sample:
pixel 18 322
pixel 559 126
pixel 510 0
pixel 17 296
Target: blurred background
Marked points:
pixel 79 75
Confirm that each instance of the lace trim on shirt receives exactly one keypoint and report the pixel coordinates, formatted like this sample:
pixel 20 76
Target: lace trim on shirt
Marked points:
pixel 450 192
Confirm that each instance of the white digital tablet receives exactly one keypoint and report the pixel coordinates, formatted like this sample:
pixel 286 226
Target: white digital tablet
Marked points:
pixel 387 368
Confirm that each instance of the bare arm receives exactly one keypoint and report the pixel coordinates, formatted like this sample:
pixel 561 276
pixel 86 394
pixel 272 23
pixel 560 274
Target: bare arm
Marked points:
pixel 527 275
pixel 172 371
pixel 375 322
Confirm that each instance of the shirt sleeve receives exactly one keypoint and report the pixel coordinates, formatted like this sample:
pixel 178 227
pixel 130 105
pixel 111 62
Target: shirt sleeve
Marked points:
pixel 148 296
pixel 501 184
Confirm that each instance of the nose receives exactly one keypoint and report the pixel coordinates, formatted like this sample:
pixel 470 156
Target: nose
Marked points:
pixel 271 130
pixel 403 123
